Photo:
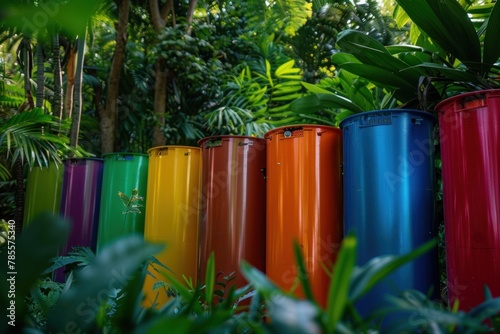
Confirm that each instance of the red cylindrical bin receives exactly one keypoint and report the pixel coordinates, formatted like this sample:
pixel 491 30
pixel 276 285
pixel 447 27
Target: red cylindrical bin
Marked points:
pixel 304 203
pixel 470 152
pixel 233 214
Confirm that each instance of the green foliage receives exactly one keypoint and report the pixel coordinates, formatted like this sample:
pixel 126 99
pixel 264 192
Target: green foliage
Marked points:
pixel 26 136
pixel 31 17
pixel 274 17
pixel 454 51
pixel 333 99
pixel 257 98
pixel 131 203
pixel 11 93
pixel 105 294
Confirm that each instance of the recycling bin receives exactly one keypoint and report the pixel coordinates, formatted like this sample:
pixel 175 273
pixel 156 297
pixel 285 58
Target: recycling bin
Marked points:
pixel 233 210
pixel 470 151
pixel 304 204
pixel 43 191
pixel 172 215
pixel 389 196
pixel 80 200
pixel 124 184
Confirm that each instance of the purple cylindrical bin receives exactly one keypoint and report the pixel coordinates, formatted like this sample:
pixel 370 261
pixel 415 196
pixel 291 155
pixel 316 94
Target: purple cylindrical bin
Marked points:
pixel 80 200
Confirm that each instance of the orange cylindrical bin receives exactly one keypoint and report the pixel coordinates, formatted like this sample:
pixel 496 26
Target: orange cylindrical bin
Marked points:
pixel 233 214
pixel 172 215
pixel 304 203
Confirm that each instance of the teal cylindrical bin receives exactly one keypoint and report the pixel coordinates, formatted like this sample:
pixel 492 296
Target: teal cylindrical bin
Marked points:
pixel 124 184
pixel 43 191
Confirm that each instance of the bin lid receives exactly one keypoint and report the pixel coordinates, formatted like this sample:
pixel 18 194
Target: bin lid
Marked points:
pixel 166 147
pixel 123 153
pixel 297 126
pixel 228 137
pixel 82 159
pixel 416 112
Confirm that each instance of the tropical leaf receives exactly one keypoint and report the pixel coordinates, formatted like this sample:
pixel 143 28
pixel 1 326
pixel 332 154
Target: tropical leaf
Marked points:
pixel 316 102
pixel 491 45
pixel 447 23
pixel 338 291
pixel 26 135
pixel 114 267
pixel 370 274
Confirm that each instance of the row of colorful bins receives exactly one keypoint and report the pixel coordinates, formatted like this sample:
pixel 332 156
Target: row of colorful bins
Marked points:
pixel 75 190
pixel 388 201
pixel 295 173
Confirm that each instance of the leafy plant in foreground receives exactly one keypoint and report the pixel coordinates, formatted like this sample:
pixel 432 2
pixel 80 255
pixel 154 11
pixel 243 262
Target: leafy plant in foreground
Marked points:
pixel 106 295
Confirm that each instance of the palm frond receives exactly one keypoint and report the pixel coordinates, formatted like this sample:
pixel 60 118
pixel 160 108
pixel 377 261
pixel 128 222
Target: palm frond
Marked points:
pixel 23 136
pixel 268 17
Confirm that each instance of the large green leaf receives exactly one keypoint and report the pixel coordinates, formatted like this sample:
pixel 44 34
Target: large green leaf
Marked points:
pixel 210 279
pixel 432 313
pixel 447 23
pixel 358 90
pixel 491 45
pixel 450 73
pixel 259 280
pixel 367 50
pixel 302 272
pixel 32 251
pixel 113 268
pixel 395 81
pixel 365 278
pixel 338 291
pixel 315 102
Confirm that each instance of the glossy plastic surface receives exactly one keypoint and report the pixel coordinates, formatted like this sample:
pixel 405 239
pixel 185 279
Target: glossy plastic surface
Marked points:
pixel 389 195
pixel 233 221
pixel 80 200
pixel 43 191
pixel 123 172
pixel 304 203
pixel 470 151
pixel 172 213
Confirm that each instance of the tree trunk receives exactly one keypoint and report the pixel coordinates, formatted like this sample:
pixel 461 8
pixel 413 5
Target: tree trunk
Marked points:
pixel 77 98
pixel 70 83
pixel 160 102
pixel 108 117
pixel 19 194
pixel 158 17
pixel 40 75
pixel 27 58
pixel 57 103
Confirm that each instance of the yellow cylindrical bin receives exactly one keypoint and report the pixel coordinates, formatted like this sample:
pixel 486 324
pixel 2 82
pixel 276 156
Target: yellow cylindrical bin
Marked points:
pixel 172 214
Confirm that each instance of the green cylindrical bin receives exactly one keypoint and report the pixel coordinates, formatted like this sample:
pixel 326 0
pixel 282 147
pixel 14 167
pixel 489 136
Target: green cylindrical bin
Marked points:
pixel 124 186
pixel 43 191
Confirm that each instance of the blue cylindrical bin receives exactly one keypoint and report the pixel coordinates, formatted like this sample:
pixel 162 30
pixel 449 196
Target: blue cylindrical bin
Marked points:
pixel 389 195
